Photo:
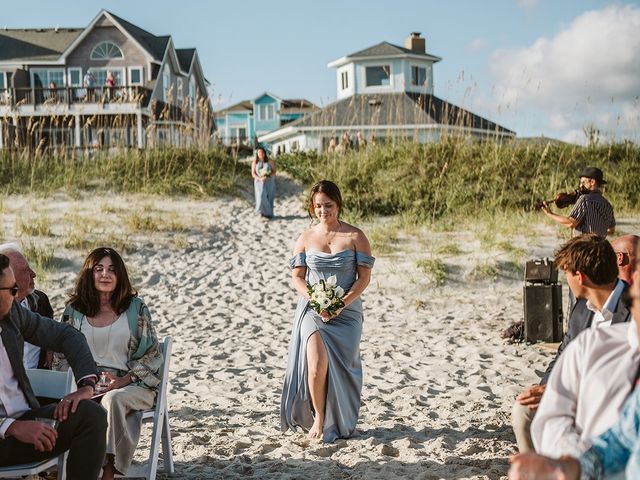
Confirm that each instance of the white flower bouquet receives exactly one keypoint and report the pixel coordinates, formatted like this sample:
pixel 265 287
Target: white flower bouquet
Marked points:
pixel 326 295
pixel 264 171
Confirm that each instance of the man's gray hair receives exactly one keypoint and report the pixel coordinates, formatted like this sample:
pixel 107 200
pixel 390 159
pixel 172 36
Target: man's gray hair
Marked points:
pixel 10 247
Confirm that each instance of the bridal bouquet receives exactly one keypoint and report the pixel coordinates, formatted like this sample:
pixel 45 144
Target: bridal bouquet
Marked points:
pixel 264 171
pixel 326 296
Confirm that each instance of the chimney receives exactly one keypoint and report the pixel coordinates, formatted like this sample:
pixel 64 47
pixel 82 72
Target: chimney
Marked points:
pixel 415 43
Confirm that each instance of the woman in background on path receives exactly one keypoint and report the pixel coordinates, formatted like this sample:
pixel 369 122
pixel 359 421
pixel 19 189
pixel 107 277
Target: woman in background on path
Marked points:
pixel 323 382
pixel 263 171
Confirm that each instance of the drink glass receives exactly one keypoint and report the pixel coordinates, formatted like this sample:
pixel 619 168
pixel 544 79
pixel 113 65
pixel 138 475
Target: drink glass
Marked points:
pixel 53 423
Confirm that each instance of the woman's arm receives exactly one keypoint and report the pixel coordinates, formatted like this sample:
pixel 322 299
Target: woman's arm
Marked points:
pixel 273 168
pixel 146 359
pixel 361 244
pixel 254 174
pixel 299 274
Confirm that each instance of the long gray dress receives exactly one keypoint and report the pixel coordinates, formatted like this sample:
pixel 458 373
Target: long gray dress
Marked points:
pixel 341 337
pixel 265 192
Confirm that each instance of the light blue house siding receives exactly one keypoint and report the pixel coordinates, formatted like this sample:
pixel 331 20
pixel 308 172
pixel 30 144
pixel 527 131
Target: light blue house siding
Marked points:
pixel 266 113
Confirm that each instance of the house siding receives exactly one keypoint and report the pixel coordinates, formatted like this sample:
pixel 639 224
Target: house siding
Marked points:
pixel 133 55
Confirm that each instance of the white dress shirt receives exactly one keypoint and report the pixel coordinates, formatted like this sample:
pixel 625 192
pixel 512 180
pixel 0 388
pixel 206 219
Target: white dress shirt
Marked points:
pixel 586 390
pixel 603 318
pixel 12 401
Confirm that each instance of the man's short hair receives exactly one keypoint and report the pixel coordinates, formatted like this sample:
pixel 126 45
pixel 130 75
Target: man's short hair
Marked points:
pixel 590 255
pixel 4 263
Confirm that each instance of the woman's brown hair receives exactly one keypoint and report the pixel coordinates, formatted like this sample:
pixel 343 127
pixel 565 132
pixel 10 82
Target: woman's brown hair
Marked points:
pixel 86 299
pixel 330 189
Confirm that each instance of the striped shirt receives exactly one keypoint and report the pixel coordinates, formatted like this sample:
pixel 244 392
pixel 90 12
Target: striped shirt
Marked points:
pixel 593 213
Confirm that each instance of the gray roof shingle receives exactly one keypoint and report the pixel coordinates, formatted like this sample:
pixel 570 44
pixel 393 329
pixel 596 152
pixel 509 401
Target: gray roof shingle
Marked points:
pixel 385 49
pixel 395 109
pixel 35 44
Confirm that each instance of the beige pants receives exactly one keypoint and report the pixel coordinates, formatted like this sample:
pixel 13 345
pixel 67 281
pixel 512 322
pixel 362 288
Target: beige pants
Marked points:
pixel 124 418
pixel 521 418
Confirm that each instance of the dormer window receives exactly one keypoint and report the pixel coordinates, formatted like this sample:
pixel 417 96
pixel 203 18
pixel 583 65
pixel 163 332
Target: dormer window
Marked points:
pixel 106 51
pixel 377 76
pixel 418 76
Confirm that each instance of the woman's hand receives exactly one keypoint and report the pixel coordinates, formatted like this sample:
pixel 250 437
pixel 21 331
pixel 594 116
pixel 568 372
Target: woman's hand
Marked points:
pixel 326 316
pixel 116 382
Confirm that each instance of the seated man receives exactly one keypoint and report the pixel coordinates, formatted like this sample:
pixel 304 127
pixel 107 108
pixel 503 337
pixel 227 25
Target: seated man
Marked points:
pixel 31 299
pixel 588 385
pixel 613 452
pixel 82 422
pixel 586 313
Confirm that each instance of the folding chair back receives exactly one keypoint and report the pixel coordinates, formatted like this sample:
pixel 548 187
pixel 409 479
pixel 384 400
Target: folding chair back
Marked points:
pixel 159 415
pixel 50 384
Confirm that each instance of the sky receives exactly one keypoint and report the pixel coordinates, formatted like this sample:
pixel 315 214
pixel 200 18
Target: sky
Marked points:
pixel 539 67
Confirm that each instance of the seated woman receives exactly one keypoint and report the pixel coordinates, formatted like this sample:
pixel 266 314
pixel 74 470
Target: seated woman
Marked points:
pixel 117 325
pixel 323 382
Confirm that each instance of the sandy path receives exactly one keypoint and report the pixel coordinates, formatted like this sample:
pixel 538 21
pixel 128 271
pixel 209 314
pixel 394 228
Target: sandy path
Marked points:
pixel 439 381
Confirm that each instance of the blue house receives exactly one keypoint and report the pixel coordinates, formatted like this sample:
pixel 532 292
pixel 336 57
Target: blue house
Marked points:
pixel 383 92
pixel 243 122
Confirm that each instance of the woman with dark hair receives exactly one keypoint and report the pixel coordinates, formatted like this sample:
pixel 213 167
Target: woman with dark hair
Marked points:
pixel 117 325
pixel 263 171
pixel 323 382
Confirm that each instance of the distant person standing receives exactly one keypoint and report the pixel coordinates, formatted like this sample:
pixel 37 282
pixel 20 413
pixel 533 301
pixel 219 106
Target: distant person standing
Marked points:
pixel 592 212
pixel 263 171
pixel 89 82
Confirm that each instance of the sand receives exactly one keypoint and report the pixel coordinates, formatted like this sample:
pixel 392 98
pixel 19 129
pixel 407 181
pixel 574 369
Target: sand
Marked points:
pixel 439 381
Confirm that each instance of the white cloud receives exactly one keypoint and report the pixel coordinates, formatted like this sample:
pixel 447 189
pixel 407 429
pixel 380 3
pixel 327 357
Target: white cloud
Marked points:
pixel 587 73
pixel 476 45
pixel 527 5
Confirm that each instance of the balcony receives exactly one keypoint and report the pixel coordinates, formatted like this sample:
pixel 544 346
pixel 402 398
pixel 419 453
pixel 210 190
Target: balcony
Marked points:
pixel 69 96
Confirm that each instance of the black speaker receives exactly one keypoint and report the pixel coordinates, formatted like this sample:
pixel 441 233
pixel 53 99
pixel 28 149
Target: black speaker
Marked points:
pixel 543 313
pixel 540 271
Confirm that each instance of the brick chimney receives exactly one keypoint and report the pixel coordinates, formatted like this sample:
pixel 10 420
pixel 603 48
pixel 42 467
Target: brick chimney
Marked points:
pixel 415 43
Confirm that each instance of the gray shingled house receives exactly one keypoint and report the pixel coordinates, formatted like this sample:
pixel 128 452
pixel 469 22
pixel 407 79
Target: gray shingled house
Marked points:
pixel 384 91
pixel 109 84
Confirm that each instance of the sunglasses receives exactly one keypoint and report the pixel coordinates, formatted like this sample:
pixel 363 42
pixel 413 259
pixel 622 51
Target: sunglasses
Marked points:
pixel 12 290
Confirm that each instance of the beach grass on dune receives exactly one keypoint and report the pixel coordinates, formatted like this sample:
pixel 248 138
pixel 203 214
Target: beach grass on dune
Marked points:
pixel 164 171
pixel 458 178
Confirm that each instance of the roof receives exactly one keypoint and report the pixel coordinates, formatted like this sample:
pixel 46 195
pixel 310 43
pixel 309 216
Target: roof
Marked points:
pixel 395 109
pixel 155 45
pixel 383 49
pixel 37 44
pixel 185 57
pixel 244 105
pixel 296 103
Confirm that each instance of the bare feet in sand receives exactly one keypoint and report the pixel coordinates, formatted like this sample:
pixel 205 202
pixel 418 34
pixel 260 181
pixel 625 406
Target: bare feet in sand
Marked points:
pixel 316 429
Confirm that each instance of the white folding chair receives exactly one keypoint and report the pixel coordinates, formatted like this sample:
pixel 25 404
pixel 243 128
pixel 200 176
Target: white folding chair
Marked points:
pixel 49 384
pixel 159 415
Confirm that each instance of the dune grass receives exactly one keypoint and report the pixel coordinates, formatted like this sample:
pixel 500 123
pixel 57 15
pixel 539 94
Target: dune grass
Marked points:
pixel 164 171
pixel 456 178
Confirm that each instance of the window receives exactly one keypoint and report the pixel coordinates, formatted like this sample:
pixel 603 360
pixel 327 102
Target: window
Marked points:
pixel 344 78
pixel 378 75
pixel 192 93
pixel 418 76
pixel 106 51
pixel 3 83
pixel 75 77
pixel 266 112
pixel 101 75
pixel 135 76
pixel 180 90
pixel 42 78
pixel 166 82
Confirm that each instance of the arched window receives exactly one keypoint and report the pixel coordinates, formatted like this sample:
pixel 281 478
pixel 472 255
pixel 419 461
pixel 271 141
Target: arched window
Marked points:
pixel 106 51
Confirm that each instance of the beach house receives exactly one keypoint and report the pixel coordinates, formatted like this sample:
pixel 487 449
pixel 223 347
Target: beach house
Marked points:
pixel 108 84
pixel 383 92
pixel 240 123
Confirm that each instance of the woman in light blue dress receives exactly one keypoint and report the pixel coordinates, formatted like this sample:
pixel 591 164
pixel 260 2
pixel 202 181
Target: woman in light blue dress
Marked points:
pixel 263 171
pixel 323 382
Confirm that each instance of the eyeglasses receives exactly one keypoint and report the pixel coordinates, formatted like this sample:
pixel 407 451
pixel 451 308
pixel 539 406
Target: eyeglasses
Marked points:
pixel 12 290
